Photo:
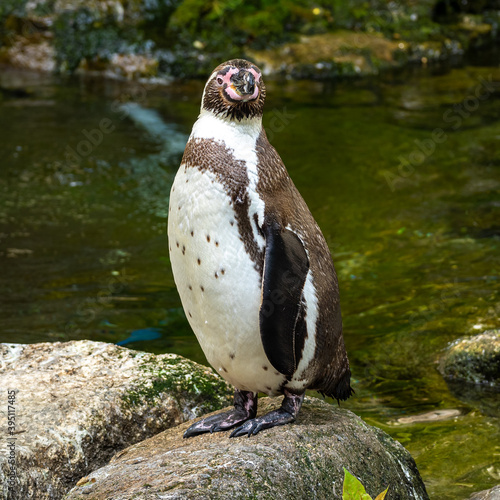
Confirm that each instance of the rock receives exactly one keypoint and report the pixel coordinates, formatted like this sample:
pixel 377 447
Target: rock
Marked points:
pixel 301 460
pixel 26 54
pixel 342 52
pixel 133 66
pixel 493 494
pixel 77 403
pixel 430 416
pixel 475 360
pixel 112 8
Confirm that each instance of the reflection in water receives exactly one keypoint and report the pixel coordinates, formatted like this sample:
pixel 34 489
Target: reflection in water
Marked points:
pixel 485 399
pixel 413 227
pixel 149 173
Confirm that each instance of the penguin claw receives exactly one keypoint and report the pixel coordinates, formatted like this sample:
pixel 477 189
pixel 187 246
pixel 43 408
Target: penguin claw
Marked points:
pixel 272 419
pixel 248 428
pixel 215 423
pixel 245 407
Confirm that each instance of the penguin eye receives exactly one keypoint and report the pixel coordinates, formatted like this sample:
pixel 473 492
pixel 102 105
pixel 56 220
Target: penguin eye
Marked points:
pixel 220 81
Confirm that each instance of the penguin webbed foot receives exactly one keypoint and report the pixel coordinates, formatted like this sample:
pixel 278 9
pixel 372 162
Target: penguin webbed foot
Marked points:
pixel 288 412
pixel 245 407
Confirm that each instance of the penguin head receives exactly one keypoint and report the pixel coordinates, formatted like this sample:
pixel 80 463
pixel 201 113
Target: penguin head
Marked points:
pixel 235 90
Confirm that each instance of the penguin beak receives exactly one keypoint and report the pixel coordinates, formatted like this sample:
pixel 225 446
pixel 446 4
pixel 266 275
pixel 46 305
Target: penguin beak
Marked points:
pixel 243 83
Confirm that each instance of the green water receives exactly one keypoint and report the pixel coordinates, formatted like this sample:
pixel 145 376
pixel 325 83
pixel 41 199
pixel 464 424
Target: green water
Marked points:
pixel 83 249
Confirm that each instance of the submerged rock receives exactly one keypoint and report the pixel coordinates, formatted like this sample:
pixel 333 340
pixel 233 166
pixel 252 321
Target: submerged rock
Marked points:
pixel 301 460
pixel 75 404
pixel 475 360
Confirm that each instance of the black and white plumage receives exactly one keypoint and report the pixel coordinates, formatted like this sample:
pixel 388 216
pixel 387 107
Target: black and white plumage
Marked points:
pixel 253 270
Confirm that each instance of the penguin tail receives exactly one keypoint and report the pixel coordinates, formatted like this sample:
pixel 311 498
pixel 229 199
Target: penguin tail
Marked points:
pixel 342 389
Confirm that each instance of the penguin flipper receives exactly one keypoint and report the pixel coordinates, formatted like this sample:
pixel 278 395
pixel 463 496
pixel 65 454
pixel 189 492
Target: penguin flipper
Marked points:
pixel 286 265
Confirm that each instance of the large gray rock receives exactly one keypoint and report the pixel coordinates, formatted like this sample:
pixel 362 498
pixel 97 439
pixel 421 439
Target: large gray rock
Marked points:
pixel 301 460
pixel 475 360
pixel 493 494
pixel 77 403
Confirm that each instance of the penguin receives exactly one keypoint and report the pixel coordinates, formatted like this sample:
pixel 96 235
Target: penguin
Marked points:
pixel 254 272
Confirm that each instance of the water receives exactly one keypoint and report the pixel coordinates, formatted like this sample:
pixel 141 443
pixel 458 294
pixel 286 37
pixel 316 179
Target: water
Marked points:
pixel 402 174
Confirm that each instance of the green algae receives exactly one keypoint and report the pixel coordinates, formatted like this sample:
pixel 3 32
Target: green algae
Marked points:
pixel 181 379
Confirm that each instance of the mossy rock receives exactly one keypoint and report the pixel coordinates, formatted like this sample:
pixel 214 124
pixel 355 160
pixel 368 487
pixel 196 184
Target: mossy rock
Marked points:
pixel 196 388
pixel 475 360
pixel 343 53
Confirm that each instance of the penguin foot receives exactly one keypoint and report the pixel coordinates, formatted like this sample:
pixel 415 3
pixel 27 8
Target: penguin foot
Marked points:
pixel 288 412
pixel 245 407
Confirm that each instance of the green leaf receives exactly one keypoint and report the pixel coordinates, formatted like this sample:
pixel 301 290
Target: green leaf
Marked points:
pixel 382 495
pixel 353 489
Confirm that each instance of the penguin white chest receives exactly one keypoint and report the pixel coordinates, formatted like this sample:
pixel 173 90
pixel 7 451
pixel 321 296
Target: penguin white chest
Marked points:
pixel 219 285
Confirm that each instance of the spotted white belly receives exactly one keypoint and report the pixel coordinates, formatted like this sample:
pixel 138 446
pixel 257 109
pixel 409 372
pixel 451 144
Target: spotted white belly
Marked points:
pixel 220 288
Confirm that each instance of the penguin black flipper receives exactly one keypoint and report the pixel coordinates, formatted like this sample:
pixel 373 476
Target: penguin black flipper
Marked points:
pixel 282 327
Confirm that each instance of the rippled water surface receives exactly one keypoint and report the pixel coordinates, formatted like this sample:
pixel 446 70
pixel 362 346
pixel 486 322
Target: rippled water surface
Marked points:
pixel 402 174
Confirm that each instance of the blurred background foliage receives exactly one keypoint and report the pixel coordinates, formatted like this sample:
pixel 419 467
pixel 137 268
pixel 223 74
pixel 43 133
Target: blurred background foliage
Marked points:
pixel 185 38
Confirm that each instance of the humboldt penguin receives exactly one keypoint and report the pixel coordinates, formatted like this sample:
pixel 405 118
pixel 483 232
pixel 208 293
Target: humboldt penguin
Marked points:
pixel 253 270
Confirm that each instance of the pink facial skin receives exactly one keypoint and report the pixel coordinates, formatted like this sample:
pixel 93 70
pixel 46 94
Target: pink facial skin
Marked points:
pixel 255 74
pixel 231 92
